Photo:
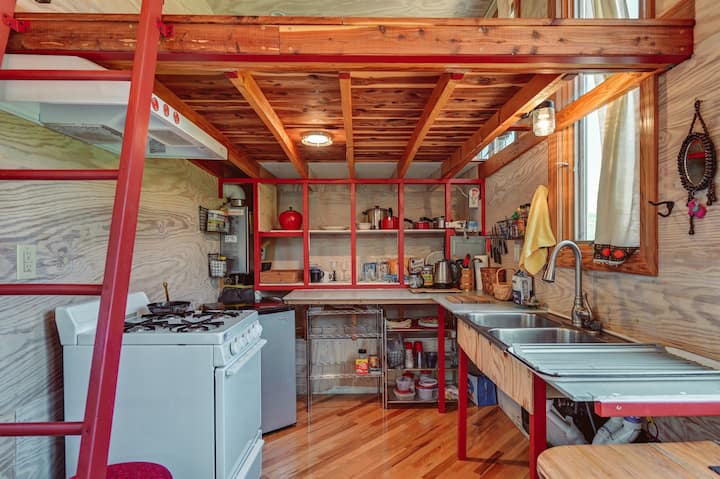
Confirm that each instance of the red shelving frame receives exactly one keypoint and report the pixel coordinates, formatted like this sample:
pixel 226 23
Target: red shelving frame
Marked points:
pixel 447 184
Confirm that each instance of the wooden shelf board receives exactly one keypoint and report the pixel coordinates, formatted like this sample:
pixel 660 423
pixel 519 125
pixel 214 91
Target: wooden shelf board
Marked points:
pixel 330 232
pixel 428 232
pixel 345 376
pixel 281 234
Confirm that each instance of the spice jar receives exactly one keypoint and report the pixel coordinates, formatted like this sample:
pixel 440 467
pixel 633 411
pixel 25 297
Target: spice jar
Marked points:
pixel 361 363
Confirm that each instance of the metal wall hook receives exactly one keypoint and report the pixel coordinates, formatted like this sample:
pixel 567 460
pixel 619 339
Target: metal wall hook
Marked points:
pixel 669 204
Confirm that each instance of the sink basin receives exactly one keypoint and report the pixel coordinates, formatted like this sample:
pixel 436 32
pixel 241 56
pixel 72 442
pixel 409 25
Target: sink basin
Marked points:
pixel 508 320
pixel 512 336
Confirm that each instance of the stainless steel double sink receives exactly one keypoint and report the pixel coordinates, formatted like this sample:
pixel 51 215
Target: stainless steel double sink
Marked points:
pixel 506 329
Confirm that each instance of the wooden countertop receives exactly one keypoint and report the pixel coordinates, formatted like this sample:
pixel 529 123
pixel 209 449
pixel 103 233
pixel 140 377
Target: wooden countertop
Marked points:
pixel 397 296
pixel 629 461
pixel 360 296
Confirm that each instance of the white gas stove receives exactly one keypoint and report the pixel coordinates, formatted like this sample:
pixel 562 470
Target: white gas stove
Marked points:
pixel 188 393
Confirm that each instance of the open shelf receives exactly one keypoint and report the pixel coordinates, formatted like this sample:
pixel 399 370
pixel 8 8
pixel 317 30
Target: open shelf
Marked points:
pixel 281 233
pixel 345 336
pixel 416 330
pixel 432 232
pixel 330 232
pixel 346 376
pixel 377 232
pixel 337 204
pixel 419 369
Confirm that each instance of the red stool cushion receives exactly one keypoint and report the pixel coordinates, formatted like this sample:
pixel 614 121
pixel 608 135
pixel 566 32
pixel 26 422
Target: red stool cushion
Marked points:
pixel 137 470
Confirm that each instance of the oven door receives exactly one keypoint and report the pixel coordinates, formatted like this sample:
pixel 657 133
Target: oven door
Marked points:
pixel 237 411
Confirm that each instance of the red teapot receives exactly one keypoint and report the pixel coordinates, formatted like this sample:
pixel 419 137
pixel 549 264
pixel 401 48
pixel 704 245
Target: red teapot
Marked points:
pixel 290 219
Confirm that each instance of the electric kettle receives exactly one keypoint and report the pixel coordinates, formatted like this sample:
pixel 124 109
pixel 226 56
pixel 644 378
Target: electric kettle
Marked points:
pixel 446 274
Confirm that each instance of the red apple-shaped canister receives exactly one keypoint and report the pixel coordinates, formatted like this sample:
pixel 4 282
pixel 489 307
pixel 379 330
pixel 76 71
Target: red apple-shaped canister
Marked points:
pixel 290 219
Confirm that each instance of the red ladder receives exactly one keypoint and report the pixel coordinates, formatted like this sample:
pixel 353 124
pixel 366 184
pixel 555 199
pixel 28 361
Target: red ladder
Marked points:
pixel 96 426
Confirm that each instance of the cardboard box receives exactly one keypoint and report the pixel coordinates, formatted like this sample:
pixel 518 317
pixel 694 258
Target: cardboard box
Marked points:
pixel 481 391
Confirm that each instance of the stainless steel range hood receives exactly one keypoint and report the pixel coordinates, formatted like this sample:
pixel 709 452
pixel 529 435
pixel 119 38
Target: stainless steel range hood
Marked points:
pixel 94 111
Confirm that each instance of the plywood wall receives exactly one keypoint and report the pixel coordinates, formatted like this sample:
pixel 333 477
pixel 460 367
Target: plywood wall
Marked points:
pixel 681 306
pixel 68 223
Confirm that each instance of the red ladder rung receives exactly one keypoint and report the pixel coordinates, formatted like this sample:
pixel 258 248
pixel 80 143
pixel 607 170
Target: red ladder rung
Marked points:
pixel 75 75
pixel 27 174
pixel 54 289
pixel 41 429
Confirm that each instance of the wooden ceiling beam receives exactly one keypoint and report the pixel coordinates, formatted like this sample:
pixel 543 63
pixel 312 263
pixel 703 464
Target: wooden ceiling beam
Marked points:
pixel 539 88
pixel 347 112
pixel 567 44
pixel 236 156
pixel 437 101
pixel 611 89
pixel 250 90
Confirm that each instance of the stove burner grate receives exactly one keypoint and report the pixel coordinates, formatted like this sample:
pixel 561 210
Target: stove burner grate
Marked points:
pixel 186 326
pixel 148 324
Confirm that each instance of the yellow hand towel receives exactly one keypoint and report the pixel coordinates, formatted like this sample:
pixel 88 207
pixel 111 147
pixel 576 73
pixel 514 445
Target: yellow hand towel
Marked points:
pixel 538 233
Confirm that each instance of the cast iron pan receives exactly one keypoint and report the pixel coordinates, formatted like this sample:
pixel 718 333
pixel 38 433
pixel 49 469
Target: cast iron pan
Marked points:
pixel 167 306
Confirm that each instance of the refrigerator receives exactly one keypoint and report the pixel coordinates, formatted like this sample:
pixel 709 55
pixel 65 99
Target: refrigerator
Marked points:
pixel 236 246
pixel 277 365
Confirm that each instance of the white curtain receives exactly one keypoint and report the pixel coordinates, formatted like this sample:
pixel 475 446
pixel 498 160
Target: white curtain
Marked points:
pixel 506 8
pixel 617 234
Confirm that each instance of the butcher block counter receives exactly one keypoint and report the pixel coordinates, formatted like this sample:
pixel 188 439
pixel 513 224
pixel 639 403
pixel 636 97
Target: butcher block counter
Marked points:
pixel 360 296
pixel 400 296
pixel 631 461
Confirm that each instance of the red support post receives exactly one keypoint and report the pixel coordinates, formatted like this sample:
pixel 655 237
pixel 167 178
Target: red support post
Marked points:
pixel 462 403
pixel 72 75
pixel 353 235
pixel 662 409
pixel 538 425
pixel 441 358
pixel 448 215
pixel 306 234
pixel 95 439
pixel 43 289
pixel 257 249
pixel 401 234
pixel 41 429
pixel 53 175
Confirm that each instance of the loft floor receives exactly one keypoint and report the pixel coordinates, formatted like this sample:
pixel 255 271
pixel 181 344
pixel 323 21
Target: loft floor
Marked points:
pixel 353 437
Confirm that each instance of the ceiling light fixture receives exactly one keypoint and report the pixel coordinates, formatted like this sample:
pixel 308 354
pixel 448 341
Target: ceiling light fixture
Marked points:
pixel 543 118
pixel 316 138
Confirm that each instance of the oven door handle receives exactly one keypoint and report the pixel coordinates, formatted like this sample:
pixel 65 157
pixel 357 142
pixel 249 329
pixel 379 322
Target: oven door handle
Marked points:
pixel 242 360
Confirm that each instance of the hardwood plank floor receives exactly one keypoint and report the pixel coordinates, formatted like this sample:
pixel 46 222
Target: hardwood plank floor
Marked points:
pixel 354 437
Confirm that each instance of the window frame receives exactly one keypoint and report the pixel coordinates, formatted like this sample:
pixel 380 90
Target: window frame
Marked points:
pixel 561 165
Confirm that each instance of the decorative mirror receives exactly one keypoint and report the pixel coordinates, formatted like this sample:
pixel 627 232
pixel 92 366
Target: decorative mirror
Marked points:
pixel 697 166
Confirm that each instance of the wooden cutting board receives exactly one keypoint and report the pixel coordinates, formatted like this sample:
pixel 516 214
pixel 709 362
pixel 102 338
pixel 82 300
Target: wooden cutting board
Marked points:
pixel 435 290
pixel 464 299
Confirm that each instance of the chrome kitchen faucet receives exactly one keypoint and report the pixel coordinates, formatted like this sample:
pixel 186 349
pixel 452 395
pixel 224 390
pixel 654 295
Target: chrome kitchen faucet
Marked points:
pixel 582 316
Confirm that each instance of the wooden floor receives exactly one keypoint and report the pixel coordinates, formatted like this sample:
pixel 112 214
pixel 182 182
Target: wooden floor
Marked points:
pixel 354 437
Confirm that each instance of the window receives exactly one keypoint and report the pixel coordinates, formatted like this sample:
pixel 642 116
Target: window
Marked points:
pixel 595 9
pixel 499 143
pixel 590 136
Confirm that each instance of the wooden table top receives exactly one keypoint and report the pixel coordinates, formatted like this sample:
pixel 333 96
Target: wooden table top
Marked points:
pixel 674 460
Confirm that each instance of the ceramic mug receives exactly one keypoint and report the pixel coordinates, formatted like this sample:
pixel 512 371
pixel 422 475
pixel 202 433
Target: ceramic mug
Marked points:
pixel 316 275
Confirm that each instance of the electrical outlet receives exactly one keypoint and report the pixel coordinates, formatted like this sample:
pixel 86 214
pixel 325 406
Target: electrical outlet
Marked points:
pixel 26 261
